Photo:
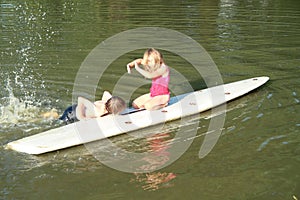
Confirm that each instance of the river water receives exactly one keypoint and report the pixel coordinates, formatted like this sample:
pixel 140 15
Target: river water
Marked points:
pixel 43 45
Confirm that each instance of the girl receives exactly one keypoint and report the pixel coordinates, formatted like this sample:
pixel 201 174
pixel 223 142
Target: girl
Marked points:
pixel 86 109
pixel 158 71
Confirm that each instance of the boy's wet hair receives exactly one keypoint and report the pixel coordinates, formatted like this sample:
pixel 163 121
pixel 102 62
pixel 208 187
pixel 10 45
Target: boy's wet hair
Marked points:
pixel 115 105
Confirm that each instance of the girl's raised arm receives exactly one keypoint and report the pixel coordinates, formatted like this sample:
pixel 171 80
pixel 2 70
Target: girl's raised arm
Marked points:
pixel 159 72
pixel 138 61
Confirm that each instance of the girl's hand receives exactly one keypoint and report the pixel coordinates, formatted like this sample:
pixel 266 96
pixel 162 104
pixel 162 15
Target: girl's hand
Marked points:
pixel 133 64
pixel 136 65
pixel 129 66
pixel 128 69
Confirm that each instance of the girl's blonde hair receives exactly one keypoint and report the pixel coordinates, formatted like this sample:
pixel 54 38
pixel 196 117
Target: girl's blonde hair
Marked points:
pixel 115 105
pixel 156 56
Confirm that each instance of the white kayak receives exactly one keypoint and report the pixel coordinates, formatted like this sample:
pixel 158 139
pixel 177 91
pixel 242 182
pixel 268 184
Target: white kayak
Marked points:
pixel 99 128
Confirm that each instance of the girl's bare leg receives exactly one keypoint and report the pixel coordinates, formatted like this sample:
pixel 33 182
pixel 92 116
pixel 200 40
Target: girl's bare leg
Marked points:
pixel 157 102
pixel 140 101
pixel 151 103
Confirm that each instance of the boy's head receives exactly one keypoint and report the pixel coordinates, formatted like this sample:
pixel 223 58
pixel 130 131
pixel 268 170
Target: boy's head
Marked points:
pixel 115 105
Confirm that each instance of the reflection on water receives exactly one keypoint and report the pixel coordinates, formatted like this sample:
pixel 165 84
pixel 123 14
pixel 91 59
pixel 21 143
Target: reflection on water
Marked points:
pixel 158 152
pixel 155 180
pixel 158 146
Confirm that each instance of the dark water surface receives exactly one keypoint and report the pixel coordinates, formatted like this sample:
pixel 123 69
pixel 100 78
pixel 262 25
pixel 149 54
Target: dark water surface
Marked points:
pixel 43 44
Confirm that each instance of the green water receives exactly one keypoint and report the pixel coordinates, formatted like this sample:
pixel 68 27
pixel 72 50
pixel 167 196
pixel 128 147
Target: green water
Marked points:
pixel 43 44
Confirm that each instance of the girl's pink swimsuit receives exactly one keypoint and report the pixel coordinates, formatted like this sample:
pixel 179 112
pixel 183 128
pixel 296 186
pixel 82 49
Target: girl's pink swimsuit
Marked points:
pixel 160 85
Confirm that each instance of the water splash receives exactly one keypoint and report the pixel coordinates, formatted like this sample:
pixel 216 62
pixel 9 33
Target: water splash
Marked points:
pixel 14 110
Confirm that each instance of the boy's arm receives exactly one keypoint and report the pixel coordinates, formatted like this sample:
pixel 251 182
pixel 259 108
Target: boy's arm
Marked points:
pixel 80 109
pixel 106 95
pixel 82 105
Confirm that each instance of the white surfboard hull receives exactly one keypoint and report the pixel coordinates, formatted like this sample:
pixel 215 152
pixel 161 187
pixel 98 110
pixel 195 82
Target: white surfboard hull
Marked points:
pixel 96 129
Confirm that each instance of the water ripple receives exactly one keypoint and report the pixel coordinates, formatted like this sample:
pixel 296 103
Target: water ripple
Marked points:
pixel 267 141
